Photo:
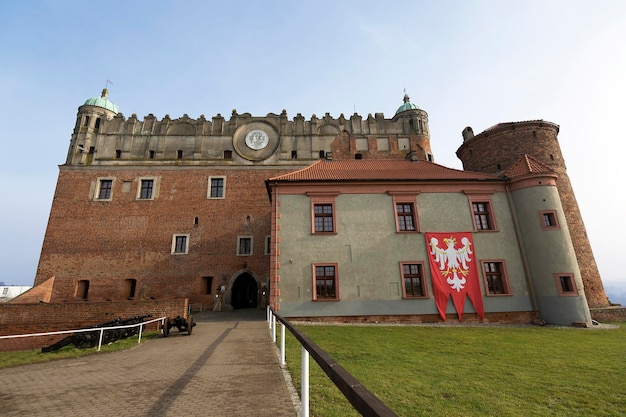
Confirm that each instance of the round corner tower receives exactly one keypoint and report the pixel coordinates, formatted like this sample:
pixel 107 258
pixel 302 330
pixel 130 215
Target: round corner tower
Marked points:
pixel 89 120
pixel 415 123
pixel 498 147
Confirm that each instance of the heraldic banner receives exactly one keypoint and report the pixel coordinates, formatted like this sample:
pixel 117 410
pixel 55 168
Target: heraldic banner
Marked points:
pixel 454 271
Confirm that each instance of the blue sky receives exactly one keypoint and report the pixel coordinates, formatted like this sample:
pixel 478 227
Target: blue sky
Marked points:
pixel 467 63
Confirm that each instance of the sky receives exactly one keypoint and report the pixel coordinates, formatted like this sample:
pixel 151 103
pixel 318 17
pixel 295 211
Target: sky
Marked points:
pixel 466 63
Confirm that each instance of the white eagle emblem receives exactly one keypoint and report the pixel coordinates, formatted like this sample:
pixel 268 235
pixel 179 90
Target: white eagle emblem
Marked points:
pixel 453 262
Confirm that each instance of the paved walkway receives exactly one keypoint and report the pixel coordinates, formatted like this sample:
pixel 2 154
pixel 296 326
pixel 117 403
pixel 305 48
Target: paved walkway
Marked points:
pixel 227 367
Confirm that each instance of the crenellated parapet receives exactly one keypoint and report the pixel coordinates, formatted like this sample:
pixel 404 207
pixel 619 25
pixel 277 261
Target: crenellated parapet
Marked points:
pixel 106 137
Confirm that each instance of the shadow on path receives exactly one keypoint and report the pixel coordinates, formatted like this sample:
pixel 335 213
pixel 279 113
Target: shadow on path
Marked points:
pixel 245 314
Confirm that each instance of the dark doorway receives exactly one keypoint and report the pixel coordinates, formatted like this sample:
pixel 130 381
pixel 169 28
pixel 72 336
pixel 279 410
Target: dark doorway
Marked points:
pixel 244 292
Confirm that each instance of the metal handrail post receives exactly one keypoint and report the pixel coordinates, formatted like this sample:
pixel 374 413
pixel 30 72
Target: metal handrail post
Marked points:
pixel 140 330
pixel 273 329
pixel 282 344
pixel 305 383
pixel 100 341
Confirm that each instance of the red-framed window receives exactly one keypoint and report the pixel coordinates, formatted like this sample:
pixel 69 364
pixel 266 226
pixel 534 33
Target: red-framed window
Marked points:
pixel 325 282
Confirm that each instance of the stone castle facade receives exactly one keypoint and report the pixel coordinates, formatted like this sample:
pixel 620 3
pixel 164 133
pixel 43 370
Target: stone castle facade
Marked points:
pixel 178 208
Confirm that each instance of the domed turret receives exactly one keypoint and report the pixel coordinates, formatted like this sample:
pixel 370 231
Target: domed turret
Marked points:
pixel 407 105
pixel 102 101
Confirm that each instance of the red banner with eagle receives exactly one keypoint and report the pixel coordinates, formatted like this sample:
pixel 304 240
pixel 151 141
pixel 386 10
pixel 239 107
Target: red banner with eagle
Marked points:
pixel 454 271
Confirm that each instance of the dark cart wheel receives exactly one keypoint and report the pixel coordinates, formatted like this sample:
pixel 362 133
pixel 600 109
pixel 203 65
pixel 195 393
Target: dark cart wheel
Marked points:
pixel 189 324
pixel 166 327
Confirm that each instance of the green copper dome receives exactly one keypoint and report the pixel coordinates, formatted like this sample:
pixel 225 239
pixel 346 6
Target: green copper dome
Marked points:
pixel 102 101
pixel 407 105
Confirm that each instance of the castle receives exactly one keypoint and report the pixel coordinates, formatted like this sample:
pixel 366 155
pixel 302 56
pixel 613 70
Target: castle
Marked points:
pixel 185 208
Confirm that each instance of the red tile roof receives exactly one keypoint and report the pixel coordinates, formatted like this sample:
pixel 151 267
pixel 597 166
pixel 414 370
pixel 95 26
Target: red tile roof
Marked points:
pixel 527 165
pixel 379 169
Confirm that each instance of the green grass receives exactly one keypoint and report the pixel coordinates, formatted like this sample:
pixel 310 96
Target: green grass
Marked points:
pixel 471 371
pixel 28 357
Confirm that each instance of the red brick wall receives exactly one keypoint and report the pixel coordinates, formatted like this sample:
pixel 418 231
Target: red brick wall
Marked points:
pixel 110 242
pixel 344 147
pixel 494 150
pixel 42 318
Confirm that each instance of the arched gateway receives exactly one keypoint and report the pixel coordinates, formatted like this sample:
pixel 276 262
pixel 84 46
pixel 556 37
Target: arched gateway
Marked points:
pixel 244 293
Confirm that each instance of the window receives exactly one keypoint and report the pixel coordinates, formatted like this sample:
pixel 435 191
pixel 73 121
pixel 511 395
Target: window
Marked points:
pixel 244 246
pixel 207 285
pixel 151 154
pixel 131 286
pixel 325 282
pixel 104 189
pixel 565 284
pixel 268 244
pixel 481 207
pixel 481 216
pixel 145 189
pixel 179 153
pixel 97 125
pixel 405 211
pixel 5 290
pixel 413 283
pixel 549 220
pixel 294 154
pixel 496 281
pixel 216 187
pixel 82 289
pixel 180 244
pixel 118 153
pixel 323 218
pixel 323 213
pixel 228 154
pixel 405 217
pixel 358 156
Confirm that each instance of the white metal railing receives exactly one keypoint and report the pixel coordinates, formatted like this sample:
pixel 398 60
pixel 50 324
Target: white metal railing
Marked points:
pixel 100 329
pixel 362 400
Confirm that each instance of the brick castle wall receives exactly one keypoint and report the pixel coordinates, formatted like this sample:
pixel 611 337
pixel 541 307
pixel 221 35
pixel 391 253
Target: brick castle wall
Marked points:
pixel 43 317
pixel 126 238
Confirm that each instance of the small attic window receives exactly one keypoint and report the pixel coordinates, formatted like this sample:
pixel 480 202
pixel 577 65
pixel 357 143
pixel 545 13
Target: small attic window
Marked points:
pixel 358 156
pixel 429 157
pixel 151 154
pixel 228 154
pixel 321 153
pixel 118 153
pixel 179 153
pixel 294 154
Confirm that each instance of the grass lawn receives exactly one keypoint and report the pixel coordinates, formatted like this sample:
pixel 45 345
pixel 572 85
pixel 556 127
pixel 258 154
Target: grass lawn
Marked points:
pixel 471 371
pixel 27 357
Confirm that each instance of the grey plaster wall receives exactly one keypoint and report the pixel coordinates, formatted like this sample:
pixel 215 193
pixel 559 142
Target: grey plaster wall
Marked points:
pixel 368 252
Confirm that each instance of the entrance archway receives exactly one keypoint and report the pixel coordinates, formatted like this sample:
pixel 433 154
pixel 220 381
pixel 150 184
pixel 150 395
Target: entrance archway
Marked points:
pixel 244 292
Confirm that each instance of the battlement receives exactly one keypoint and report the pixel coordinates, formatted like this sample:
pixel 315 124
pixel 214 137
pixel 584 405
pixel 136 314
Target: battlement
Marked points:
pixel 409 122
pixel 105 137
